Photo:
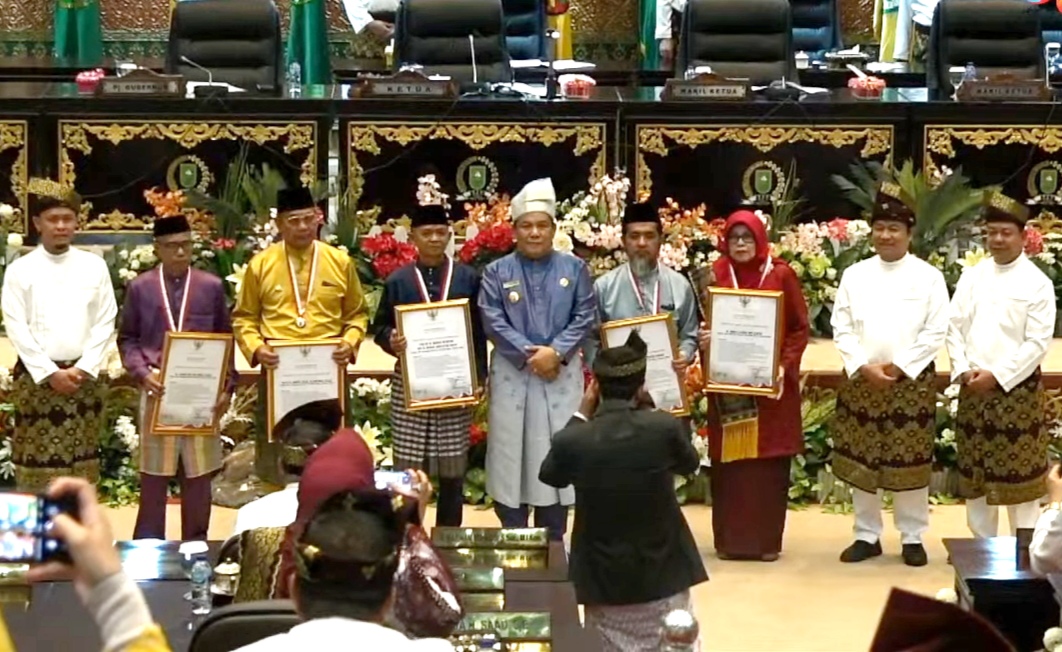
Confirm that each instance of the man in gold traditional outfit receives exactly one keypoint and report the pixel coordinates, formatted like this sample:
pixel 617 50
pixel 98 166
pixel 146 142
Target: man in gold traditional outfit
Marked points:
pixel 297 289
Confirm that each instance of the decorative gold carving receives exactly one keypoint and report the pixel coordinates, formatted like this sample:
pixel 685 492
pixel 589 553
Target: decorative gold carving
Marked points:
pixel 74 137
pixel 653 139
pixel 857 20
pixel 363 136
pixel 604 21
pixel 13 136
pixel 940 140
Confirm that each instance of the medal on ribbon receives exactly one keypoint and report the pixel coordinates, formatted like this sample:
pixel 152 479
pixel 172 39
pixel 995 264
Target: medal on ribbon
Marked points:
pixel 300 305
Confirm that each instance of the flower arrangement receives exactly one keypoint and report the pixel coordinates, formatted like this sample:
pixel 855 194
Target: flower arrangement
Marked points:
pixel 819 254
pixel 369 408
pixel 387 254
pixel 488 245
pixel 690 240
pixel 590 224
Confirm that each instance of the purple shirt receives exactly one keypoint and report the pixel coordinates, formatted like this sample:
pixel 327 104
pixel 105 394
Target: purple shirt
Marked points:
pixel 145 323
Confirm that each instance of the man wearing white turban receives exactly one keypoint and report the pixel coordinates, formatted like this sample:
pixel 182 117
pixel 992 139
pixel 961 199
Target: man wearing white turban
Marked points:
pixel 538 309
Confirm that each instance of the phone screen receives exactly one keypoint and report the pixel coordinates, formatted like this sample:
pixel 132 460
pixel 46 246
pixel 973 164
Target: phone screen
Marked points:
pixel 388 479
pixel 25 527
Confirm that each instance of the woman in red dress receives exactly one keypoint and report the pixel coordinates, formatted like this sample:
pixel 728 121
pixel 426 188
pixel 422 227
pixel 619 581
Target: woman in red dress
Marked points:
pixel 753 439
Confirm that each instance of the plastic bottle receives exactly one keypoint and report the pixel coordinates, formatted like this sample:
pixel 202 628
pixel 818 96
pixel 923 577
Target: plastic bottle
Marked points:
pixel 971 72
pixel 294 79
pixel 201 600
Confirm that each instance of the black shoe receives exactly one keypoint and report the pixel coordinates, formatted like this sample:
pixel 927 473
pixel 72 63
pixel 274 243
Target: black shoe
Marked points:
pixel 914 554
pixel 861 551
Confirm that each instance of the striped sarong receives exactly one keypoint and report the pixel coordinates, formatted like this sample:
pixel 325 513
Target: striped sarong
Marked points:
pixel 435 440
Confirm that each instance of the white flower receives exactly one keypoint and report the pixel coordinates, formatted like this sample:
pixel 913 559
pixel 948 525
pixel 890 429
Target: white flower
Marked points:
pixel 5 379
pixel 236 277
pixel 582 231
pixel 1053 639
pixel 830 293
pixel 563 242
pixel 123 254
pixel 1047 257
pixel 401 234
pixel 7 467
pixel 112 362
pixel 134 264
pixel 831 274
pixel 952 391
pixel 13 239
pixel 948 595
pixel 126 431
pixel 371 435
pixel 6 211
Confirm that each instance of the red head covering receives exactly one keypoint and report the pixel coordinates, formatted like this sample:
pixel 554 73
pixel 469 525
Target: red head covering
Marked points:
pixel 748 273
pixel 343 463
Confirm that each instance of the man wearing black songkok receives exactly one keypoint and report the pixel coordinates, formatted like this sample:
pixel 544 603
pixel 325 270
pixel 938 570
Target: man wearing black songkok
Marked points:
pixel 633 556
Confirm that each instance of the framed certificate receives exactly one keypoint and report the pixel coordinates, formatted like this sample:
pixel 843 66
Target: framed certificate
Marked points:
pixel 661 340
pixel 306 373
pixel 439 363
pixel 746 348
pixel 194 368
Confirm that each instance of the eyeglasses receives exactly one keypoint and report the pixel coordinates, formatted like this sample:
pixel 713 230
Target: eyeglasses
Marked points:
pixel 741 239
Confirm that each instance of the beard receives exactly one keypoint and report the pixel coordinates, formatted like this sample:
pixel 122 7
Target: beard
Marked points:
pixel 641 266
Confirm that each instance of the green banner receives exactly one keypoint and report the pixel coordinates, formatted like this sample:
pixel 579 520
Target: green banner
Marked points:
pixel 78 32
pixel 308 42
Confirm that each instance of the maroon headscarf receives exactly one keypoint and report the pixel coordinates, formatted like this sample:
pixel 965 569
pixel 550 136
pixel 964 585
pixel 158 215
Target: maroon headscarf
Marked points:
pixel 749 273
pixel 343 463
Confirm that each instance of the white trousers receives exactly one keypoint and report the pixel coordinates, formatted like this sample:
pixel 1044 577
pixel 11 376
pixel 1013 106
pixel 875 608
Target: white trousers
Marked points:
pixel 910 514
pixel 983 518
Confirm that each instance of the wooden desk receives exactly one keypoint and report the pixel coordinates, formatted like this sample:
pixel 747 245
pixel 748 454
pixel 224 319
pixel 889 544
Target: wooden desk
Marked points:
pixel 988 582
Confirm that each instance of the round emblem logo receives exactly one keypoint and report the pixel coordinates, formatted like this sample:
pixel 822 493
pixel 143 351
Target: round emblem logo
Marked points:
pixel 477 179
pixel 188 172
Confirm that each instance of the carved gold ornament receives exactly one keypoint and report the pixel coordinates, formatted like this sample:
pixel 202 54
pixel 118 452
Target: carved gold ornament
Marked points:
pixel 364 137
pixel 13 136
pixel 940 140
pixel 655 139
pixel 75 136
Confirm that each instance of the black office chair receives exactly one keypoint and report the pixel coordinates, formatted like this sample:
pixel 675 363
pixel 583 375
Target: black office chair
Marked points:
pixel 525 28
pixel 1051 22
pixel 740 39
pixel 816 27
pixel 239 42
pixel 236 625
pixel 435 35
pixel 994 35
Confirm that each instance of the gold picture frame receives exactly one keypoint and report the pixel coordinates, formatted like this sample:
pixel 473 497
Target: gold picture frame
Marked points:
pixel 413 405
pixel 635 323
pixel 776 296
pixel 155 401
pixel 340 371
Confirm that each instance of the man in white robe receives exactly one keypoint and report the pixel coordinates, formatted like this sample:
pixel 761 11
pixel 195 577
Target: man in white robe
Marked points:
pixel 538 309
pixel 59 311
pixel 1002 322
pixel 889 323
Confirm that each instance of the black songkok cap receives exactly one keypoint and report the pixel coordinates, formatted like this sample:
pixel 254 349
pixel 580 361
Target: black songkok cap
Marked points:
pixel 625 362
pixel 294 199
pixel 640 213
pixel 430 215
pixel 171 225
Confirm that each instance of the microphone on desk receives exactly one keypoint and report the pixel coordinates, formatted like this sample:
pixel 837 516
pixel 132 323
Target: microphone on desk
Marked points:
pixel 210 89
pixel 552 37
pixel 475 87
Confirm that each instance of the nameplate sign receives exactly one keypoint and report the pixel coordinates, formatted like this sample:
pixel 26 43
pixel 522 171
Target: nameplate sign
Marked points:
pixel 408 84
pixel 478 580
pixel 470 537
pixel 1003 89
pixel 142 83
pixel 509 626
pixel 705 88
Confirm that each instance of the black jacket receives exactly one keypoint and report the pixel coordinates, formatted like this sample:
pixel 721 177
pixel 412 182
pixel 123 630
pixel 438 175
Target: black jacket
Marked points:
pixel 630 543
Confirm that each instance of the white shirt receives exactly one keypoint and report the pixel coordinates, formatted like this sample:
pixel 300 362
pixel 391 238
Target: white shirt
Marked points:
pixel 59 308
pixel 664 9
pixel 326 634
pixel 358 11
pixel 277 509
pixel 1045 551
pixel 890 312
pixel 1002 320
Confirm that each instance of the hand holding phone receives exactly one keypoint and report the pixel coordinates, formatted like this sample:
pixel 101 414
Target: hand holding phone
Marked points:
pixel 87 535
pixel 27 527
pixel 401 480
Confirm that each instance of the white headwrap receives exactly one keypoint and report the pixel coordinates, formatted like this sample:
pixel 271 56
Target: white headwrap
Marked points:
pixel 537 196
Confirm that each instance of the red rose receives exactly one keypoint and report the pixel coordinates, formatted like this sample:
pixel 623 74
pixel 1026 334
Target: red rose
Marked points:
pixel 476 435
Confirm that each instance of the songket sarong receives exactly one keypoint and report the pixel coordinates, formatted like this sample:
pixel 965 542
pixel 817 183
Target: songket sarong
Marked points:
pixel 199 454
pixel 634 627
pixel 267 459
pixel 1001 443
pixel 55 435
pixel 883 439
pixel 259 554
pixel 439 437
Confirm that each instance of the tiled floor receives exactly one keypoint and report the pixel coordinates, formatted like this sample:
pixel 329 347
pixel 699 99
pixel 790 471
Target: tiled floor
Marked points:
pixel 805 602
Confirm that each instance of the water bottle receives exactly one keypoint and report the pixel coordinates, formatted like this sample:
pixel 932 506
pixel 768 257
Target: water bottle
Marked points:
pixel 201 602
pixel 971 72
pixel 294 79
pixel 1053 61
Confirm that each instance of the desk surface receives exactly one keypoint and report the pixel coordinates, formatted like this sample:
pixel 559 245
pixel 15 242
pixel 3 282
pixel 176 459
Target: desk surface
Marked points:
pixel 988 559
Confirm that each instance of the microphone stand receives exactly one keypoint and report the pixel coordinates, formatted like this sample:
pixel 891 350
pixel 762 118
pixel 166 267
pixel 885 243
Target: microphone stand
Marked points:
pixel 210 90
pixel 552 36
